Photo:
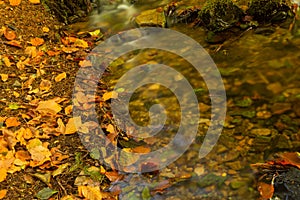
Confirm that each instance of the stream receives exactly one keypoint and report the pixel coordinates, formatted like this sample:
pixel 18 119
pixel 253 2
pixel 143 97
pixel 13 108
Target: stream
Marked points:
pixel 261 75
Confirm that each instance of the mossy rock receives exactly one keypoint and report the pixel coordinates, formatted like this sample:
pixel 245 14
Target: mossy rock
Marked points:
pixel 219 15
pixel 270 11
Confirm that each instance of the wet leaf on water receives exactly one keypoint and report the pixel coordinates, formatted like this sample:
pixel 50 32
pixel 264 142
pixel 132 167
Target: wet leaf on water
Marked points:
pixel 45 193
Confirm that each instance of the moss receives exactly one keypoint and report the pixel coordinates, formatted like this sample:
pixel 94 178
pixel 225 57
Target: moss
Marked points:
pixel 219 15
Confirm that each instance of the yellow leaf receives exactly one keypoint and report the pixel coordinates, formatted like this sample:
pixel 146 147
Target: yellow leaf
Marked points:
pixel 60 77
pixel 68 109
pixel 110 95
pixel 81 43
pixel 90 193
pixel 14 2
pixel 49 106
pixel 31 51
pixel 45 29
pixel 35 1
pixel 39 153
pixel 3 174
pixel 4 77
pixel 60 126
pixel 45 85
pixel 73 124
pixel 6 61
pixel 85 63
pixel 95 33
pixel 110 128
pixel 2 193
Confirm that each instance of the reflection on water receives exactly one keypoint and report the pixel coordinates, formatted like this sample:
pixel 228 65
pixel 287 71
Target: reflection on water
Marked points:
pixel 262 79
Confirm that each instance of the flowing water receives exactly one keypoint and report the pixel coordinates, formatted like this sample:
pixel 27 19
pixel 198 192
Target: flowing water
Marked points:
pixel 261 75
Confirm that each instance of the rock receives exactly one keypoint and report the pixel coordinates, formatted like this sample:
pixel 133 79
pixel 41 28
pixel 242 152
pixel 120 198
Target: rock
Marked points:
pixel 280 108
pixel 151 18
pixel 261 131
pixel 235 184
pixel 236 165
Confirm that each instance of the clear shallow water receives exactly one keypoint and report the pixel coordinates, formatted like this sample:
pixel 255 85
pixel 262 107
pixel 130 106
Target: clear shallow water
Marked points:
pixel 264 69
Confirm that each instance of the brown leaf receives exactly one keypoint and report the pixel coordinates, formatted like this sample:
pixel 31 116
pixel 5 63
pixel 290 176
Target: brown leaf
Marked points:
pixel 39 153
pixel 45 85
pixel 85 63
pixel 90 193
pixel 265 190
pixel 141 149
pixel 12 122
pixel 291 158
pixel 14 2
pixel 113 176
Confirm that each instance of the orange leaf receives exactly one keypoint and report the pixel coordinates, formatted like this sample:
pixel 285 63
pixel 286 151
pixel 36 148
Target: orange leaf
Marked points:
pixel 49 106
pixel 113 176
pixel 265 190
pixel 37 41
pixel 53 53
pixel 141 149
pixel 3 174
pixel 4 77
pixel 291 158
pixel 14 43
pixel 6 61
pixel 72 125
pixel 2 193
pixel 45 85
pixel 10 35
pixel 12 122
pixel 14 2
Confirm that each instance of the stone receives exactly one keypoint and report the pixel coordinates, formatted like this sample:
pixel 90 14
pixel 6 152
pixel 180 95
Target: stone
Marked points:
pixel 153 18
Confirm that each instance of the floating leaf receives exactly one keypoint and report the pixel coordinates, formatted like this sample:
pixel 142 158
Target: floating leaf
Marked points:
pixel 45 193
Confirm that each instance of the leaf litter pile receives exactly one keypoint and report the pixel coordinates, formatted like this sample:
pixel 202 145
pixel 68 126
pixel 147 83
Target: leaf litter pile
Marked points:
pixel 41 156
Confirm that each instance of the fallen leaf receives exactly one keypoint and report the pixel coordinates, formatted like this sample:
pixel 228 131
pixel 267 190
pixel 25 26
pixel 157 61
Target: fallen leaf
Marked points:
pixel 37 41
pixel 68 109
pixel 110 95
pixel 45 29
pixel 69 49
pixel 4 77
pixel 291 158
pixel 49 106
pixel 141 149
pixel 85 63
pixel 14 43
pixel 6 61
pixel 14 2
pixel 45 193
pixel 90 193
pixel 31 51
pixel 113 176
pixel 73 124
pixel 39 153
pixel 10 35
pixel 12 122
pixel 60 169
pixel 60 77
pixel 81 43
pixel 3 174
pixel 53 53
pixel 266 190
pixel 45 85
pixel 2 193
pixel 35 1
